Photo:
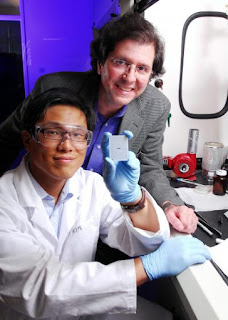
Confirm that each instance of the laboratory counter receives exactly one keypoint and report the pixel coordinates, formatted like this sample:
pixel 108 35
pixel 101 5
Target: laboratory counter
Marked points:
pixel 201 291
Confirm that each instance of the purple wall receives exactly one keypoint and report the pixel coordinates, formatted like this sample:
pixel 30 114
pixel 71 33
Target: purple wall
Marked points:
pixel 57 36
pixel 104 10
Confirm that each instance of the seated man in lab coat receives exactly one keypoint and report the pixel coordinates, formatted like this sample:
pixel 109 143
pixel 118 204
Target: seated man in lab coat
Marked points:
pixel 52 213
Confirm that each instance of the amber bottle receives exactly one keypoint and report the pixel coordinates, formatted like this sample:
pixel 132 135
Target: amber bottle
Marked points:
pixel 219 183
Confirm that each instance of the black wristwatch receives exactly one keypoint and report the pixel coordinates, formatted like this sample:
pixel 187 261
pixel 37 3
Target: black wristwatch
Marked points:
pixel 135 207
pixel 166 205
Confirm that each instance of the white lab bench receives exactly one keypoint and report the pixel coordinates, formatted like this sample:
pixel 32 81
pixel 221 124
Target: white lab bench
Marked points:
pixel 205 291
pixel 198 293
pixel 203 287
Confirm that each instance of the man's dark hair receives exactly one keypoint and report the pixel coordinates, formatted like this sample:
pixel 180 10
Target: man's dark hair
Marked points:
pixel 130 26
pixel 38 106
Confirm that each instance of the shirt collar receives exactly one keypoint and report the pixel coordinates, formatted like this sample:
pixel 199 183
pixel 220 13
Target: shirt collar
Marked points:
pixel 66 193
pixel 119 114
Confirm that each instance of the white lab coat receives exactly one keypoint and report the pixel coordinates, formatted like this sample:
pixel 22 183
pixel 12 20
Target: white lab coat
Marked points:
pixel 45 277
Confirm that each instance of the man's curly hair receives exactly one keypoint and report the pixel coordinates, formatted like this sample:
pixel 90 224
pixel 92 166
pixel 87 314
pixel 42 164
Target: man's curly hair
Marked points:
pixel 129 26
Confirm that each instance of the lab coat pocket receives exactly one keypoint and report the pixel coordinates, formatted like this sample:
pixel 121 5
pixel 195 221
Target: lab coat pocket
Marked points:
pixel 81 243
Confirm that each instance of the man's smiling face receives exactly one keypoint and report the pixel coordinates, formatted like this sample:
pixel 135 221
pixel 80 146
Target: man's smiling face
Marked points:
pixel 53 161
pixel 119 85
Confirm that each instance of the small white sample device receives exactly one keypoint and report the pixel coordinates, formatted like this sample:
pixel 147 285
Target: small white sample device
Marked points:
pixel 118 147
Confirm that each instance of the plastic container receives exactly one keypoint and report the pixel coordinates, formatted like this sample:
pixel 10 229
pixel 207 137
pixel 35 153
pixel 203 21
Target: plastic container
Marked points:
pixel 219 183
pixel 212 157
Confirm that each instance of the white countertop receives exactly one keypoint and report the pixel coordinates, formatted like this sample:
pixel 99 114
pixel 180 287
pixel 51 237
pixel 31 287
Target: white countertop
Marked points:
pixel 204 288
pixel 205 291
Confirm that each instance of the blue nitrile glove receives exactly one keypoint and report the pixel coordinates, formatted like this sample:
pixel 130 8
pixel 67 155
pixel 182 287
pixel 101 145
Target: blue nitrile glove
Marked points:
pixel 121 177
pixel 174 256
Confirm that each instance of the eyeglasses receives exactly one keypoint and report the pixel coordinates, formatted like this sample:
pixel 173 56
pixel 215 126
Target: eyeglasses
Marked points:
pixel 79 136
pixel 125 66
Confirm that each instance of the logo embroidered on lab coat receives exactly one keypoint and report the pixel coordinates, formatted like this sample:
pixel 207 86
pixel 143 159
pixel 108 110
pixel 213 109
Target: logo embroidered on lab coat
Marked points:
pixel 77 229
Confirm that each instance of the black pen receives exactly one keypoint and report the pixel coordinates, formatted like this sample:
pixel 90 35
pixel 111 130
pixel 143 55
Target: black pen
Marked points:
pixel 207 224
pixel 221 273
pixel 187 181
pixel 210 227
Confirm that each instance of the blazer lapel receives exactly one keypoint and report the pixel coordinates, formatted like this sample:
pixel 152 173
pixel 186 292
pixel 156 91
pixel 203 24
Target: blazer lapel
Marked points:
pixel 132 119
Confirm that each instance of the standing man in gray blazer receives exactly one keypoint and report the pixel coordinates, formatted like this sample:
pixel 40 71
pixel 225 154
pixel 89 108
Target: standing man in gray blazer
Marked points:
pixel 126 55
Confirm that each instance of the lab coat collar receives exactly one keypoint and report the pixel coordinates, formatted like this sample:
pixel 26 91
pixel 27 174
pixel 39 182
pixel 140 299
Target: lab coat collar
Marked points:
pixel 23 182
pixel 27 195
pixel 33 205
pixel 72 210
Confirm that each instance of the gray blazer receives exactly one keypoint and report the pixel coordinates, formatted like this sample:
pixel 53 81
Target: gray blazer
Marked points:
pixel 145 116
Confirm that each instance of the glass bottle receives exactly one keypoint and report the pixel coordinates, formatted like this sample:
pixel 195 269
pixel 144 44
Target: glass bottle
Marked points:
pixel 219 183
pixel 210 180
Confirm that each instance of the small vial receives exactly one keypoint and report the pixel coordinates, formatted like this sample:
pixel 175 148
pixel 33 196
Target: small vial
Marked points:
pixel 210 180
pixel 219 183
